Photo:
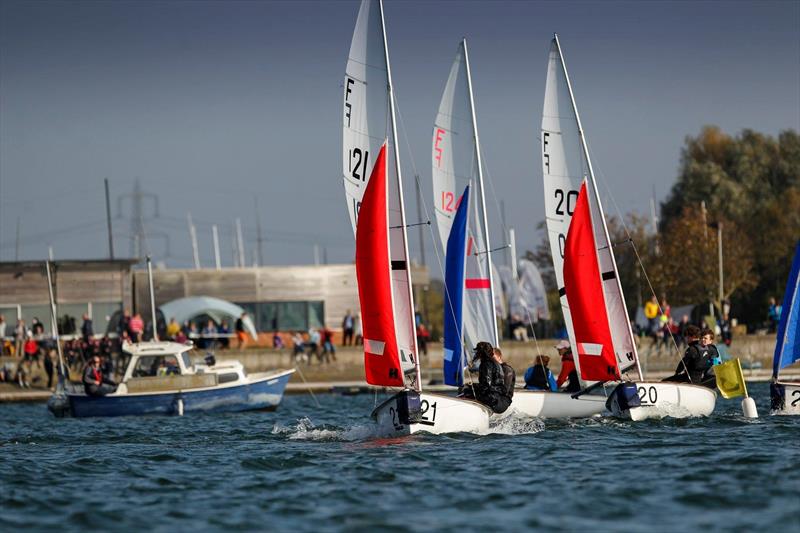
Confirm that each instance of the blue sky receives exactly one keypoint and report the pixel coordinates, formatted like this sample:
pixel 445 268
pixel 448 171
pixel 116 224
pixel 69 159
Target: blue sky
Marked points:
pixel 211 104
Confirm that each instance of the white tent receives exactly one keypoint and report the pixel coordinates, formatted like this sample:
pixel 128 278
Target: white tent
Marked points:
pixel 184 309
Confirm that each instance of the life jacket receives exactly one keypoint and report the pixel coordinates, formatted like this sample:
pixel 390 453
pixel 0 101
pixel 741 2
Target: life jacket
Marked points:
pixel 539 377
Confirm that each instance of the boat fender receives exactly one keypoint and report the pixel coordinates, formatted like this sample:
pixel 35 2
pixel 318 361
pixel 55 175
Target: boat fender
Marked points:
pixel 409 407
pixel 777 394
pixel 626 396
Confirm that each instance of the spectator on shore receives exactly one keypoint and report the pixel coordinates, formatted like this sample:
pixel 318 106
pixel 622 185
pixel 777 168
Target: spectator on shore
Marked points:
pixel 277 341
pixel 328 349
pixel 682 325
pixel 519 330
pixel 49 360
pixel 773 315
pixel 37 328
pixel 87 330
pixel 208 336
pixel 124 322
pixel 32 351
pixel 313 343
pixel 299 348
pixel 359 335
pixel 224 341
pixel 726 329
pixel 651 314
pixel 423 335
pixel 3 326
pixel 19 337
pixel 173 328
pixel 136 327
pixel 241 334
pixel 348 327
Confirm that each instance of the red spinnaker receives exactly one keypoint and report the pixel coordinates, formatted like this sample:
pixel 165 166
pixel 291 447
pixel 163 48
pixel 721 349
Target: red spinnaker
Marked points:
pixel 584 287
pixel 381 360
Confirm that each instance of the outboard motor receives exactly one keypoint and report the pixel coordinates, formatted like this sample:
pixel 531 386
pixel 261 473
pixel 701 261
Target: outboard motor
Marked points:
pixel 58 404
pixel 777 395
pixel 625 396
pixel 409 408
pixel 210 360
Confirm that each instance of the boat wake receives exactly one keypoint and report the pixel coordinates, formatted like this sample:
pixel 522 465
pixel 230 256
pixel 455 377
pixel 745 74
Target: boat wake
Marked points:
pixel 512 422
pixel 305 429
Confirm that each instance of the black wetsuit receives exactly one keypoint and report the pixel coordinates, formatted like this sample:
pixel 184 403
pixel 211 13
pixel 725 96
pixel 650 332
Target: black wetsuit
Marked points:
pixel 696 362
pixel 491 387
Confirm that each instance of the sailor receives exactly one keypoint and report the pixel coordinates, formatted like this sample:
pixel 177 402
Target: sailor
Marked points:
pixel 712 357
pixel 539 377
pixel 95 383
pixel 491 387
pixel 695 362
pixel 569 373
pixel 509 377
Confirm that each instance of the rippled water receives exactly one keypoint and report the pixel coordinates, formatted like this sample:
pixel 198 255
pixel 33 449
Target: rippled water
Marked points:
pixel 309 468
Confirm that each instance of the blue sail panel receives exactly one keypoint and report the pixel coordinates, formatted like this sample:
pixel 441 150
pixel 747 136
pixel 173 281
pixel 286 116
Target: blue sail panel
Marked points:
pixel 787 346
pixel 454 294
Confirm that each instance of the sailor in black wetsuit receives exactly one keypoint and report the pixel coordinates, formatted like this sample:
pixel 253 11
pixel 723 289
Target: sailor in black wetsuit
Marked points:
pixel 491 387
pixel 509 379
pixel 696 362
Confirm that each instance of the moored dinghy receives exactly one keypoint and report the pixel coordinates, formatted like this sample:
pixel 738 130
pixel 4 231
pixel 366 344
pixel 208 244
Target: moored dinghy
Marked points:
pixel 463 230
pixel 375 201
pixel 785 396
pixel 603 343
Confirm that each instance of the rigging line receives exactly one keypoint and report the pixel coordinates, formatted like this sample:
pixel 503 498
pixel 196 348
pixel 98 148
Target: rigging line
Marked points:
pixel 638 257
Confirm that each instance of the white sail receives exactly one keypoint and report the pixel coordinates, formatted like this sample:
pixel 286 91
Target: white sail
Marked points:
pixel 368 120
pixel 565 163
pixel 455 159
pixel 532 291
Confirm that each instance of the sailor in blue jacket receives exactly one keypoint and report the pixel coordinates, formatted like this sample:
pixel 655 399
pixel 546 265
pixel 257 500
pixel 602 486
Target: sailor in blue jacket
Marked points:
pixel 539 376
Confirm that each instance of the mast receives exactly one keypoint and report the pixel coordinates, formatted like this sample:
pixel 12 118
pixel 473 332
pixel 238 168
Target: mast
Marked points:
pixel 152 298
pixel 496 341
pixel 599 204
pixel 418 381
pixel 53 318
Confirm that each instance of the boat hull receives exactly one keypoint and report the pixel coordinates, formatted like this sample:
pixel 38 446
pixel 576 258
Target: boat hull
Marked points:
pixel 258 394
pixel 787 401
pixel 547 404
pixel 437 414
pixel 662 399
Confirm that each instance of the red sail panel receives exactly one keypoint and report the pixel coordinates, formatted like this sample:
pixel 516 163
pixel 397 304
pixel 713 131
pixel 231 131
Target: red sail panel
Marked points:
pixel 373 271
pixel 585 298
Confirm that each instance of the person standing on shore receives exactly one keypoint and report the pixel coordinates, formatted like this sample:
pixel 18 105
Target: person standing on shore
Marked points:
pixel 241 334
pixel 87 330
pixel 348 326
pixel 136 327
pixel 19 337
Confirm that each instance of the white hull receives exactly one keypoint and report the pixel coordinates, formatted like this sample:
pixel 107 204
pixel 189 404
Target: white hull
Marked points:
pixel 659 399
pixel 545 404
pixel 438 414
pixel 791 404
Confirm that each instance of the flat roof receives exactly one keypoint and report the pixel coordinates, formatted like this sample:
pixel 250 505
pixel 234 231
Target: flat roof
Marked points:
pixel 69 264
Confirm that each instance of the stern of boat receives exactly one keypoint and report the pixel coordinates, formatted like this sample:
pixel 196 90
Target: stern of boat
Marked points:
pixel 643 400
pixel 410 411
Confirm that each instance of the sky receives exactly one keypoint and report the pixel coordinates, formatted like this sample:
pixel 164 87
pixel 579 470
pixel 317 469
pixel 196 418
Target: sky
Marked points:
pixel 218 106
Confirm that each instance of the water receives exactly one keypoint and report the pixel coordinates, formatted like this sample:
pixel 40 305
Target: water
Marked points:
pixel 305 468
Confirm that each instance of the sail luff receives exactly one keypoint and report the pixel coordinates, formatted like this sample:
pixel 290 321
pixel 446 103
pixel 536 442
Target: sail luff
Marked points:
pixel 496 341
pixel 588 159
pixel 402 229
pixel 788 326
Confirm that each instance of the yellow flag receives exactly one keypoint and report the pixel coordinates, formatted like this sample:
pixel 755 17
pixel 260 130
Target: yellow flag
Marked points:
pixel 730 380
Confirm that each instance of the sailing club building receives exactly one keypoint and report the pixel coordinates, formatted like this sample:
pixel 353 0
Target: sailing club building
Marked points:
pixel 278 298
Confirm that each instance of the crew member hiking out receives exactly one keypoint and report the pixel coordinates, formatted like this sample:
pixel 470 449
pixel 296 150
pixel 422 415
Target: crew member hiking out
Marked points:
pixel 509 378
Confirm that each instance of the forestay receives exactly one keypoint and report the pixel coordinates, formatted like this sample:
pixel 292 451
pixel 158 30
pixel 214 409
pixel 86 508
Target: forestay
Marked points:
pixel 456 162
pixel 787 346
pixel 368 119
pixel 565 164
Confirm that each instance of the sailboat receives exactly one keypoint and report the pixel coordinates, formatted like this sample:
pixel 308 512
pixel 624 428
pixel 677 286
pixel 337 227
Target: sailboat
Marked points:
pixel 785 396
pixel 374 194
pixel 591 296
pixel 469 281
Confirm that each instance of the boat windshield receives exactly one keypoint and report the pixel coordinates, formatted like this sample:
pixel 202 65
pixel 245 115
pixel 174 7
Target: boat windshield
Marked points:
pixel 156 365
pixel 187 361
